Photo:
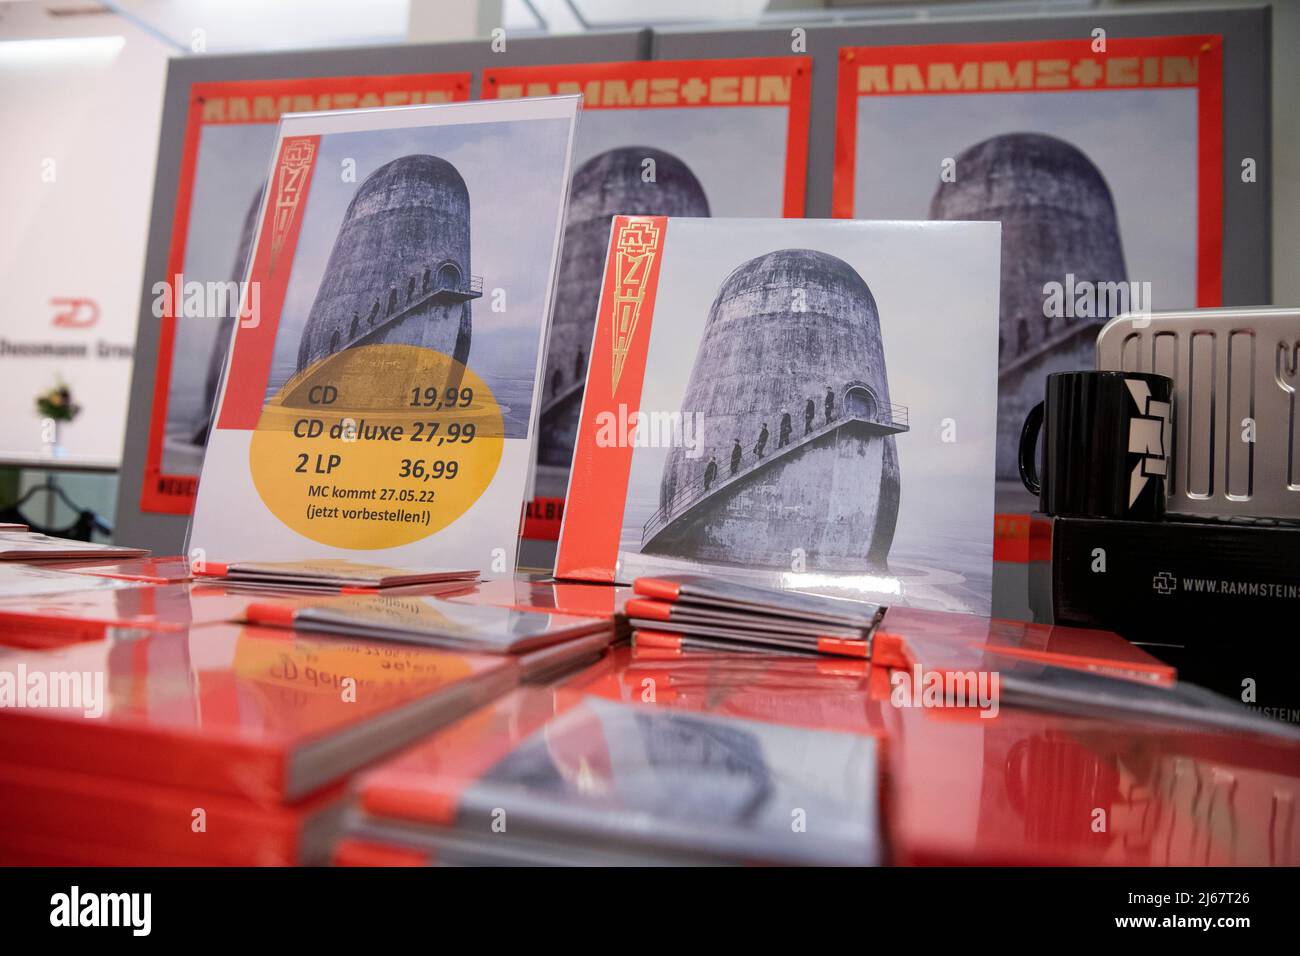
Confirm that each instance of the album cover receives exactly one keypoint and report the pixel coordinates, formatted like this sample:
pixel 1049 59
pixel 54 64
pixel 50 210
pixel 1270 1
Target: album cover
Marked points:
pixel 676 782
pixel 384 401
pixel 1101 157
pixel 410 787
pixel 229 133
pixel 800 403
pixel 430 621
pixel 651 613
pixel 332 574
pixel 697 594
pixel 36 547
pixel 164 824
pixel 265 714
pixel 660 138
pixel 678 636
pixel 636 783
pixel 692 611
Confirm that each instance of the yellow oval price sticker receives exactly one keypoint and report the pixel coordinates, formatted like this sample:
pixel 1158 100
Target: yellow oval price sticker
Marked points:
pixel 377 446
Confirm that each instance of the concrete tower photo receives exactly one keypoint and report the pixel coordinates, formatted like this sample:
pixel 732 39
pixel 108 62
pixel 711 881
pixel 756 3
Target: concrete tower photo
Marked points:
pixel 609 184
pixel 796 422
pixel 399 270
pixel 1058 219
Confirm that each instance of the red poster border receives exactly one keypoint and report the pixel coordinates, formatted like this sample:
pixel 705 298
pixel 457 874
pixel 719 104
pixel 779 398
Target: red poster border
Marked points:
pixel 152 497
pixel 1207 49
pixel 588 548
pixel 538 522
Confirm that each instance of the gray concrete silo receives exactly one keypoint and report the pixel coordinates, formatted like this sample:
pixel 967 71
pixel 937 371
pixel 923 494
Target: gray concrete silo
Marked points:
pixel 399 271
pixel 1058 219
pixel 226 325
pixel 792 344
pixel 609 184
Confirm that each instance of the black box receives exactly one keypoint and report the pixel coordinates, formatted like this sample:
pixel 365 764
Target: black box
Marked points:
pixel 1218 600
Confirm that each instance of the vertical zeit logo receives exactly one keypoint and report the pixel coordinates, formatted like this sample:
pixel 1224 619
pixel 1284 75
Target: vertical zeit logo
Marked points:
pixel 637 242
pixel 132 910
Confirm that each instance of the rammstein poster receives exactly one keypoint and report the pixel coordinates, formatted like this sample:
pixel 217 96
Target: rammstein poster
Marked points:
pixel 803 403
pixel 668 138
pixel 374 401
pixel 229 134
pixel 1102 159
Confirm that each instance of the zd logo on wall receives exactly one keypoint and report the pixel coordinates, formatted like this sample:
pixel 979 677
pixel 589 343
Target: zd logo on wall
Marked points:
pixel 74 313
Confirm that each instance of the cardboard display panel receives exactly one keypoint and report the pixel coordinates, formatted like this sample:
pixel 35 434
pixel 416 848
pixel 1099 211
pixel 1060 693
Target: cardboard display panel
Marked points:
pixel 681 138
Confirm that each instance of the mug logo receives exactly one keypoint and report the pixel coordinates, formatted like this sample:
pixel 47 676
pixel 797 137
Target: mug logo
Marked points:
pixel 1147 431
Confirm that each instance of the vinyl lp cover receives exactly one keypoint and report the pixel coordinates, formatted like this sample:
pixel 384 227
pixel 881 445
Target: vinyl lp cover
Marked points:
pixel 429 620
pixel 230 129
pixel 374 408
pixel 1101 157
pixel 647 783
pixel 801 403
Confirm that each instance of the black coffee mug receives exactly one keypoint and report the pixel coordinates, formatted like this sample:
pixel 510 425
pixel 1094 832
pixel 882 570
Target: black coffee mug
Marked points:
pixel 1106 444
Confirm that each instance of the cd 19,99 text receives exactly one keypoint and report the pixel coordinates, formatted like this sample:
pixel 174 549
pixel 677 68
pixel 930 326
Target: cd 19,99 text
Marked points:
pixel 448 398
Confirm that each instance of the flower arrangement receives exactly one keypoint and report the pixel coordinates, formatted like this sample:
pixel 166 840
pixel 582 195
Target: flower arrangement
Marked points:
pixel 57 404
